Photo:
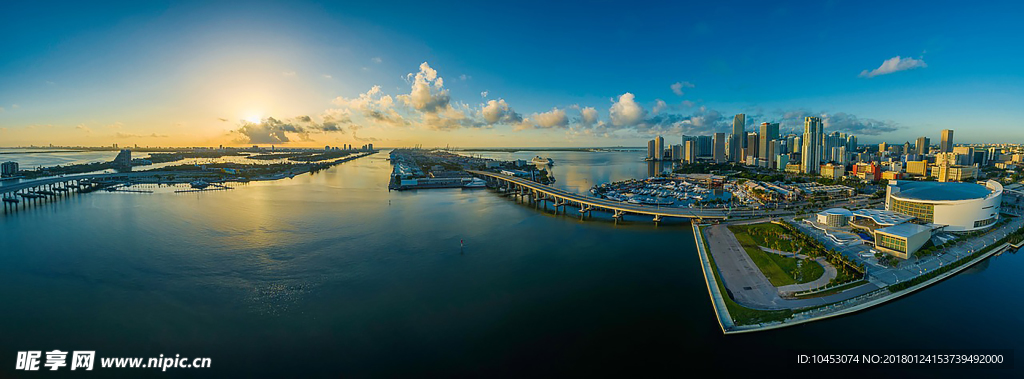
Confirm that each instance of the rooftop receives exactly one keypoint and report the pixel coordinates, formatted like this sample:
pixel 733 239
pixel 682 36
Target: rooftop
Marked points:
pixel 937 191
pixel 836 211
pixel 905 230
pixel 883 217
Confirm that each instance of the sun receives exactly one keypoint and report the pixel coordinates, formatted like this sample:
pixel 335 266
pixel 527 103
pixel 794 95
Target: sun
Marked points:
pixel 254 119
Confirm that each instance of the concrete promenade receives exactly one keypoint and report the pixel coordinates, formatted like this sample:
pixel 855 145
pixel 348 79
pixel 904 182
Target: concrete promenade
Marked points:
pixel 721 310
pixel 862 299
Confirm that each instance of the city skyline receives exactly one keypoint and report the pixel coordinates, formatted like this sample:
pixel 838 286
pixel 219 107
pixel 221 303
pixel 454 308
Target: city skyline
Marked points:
pixel 308 75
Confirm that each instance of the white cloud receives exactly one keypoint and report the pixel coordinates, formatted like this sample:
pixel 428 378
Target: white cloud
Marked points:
pixel 659 106
pixel 677 87
pixel 288 73
pixel 496 111
pixel 894 64
pixel 553 118
pixel 422 97
pixel 326 76
pixel 483 94
pixel 588 116
pixel 376 60
pixel 626 112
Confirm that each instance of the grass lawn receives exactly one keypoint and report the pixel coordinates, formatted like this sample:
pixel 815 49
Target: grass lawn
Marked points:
pixel 780 270
pixel 742 315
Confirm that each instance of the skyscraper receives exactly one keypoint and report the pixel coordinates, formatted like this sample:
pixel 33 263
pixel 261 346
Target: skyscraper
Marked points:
pixel 659 148
pixel 751 149
pixel 718 151
pixel 650 150
pixel 811 154
pixel 947 141
pixel 769 133
pixel 690 151
pixel 736 146
pixel 922 146
pixel 704 146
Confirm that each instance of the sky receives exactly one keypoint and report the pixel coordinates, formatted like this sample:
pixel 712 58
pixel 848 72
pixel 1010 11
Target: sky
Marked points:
pixel 494 74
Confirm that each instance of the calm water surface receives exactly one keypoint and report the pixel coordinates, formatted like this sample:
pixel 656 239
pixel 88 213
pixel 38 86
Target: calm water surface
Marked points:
pixel 330 274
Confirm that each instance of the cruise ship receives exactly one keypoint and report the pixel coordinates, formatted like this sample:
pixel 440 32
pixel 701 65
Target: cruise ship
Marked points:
pixel 539 160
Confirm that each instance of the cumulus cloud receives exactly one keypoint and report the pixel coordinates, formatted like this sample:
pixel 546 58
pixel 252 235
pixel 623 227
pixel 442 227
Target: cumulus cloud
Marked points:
pixel 279 131
pixel 836 122
pixel 677 87
pixel 588 116
pixel 659 106
pixel 849 123
pixel 373 104
pixel 626 112
pixel 83 128
pixel 495 111
pixel 894 64
pixel 555 118
pixel 427 93
pixel 483 94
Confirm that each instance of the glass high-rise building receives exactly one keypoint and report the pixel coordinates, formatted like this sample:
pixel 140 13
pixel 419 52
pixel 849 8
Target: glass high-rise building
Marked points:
pixel 813 145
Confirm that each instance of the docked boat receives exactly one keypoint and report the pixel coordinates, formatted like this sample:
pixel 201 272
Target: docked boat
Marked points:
pixel 546 161
pixel 475 183
pixel 199 184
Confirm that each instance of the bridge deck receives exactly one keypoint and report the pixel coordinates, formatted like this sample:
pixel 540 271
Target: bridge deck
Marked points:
pixel 575 198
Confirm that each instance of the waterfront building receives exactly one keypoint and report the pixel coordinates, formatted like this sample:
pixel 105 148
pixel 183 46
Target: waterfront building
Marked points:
pixel 835 217
pixel 812 144
pixel 947 141
pixel 677 153
pixel 9 168
pixel 704 146
pixel 690 151
pixel 903 240
pixel 659 148
pixel 650 150
pixel 718 153
pixel 123 161
pixel 956 207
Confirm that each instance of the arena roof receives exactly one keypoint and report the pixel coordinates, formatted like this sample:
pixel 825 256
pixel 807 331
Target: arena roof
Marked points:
pixel 937 191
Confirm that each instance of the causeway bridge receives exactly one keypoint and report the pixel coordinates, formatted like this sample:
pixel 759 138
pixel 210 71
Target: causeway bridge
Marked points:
pixel 536 192
pixel 30 191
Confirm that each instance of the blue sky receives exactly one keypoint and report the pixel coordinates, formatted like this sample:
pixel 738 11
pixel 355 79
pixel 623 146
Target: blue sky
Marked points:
pixel 303 74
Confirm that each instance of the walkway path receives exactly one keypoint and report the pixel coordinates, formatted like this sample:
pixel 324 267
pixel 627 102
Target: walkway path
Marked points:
pixel 748 285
